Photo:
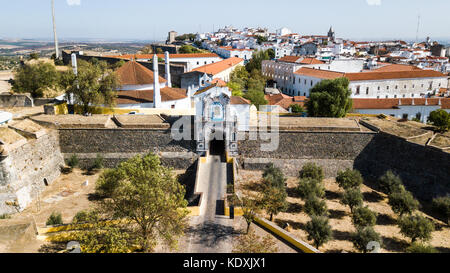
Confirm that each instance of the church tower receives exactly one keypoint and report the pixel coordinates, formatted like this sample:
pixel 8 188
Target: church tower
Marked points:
pixel 331 34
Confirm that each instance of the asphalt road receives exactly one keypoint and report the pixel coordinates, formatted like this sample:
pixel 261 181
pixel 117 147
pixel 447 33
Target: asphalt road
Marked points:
pixel 212 232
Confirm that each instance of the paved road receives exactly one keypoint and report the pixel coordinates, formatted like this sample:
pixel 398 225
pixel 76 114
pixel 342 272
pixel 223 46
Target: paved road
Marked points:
pixel 210 232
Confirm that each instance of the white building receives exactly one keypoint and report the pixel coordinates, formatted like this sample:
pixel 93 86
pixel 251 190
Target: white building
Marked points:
pixel 283 31
pixel 221 70
pixel 419 108
pixel 219 117
pixel 191 61
pixel 142 88
pixel 394 84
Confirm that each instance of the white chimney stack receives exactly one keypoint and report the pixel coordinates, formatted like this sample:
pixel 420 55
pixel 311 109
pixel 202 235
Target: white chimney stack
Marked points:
pixel 169 81
pixel 156 87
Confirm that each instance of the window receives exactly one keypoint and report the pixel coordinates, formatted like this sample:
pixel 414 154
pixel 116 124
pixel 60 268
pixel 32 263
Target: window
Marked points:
pixel 405 116
pixel 395 96
pixel 413 86
pixel 404 86
pixel 367 91
pixel 379 88
pixel 387 96
pixel 358 89
pixel 419 116
pixel 387 87
pixel 404 95
pixel 311 82
pixel 305 81
pixel 396 87
pixel 431 85
pixel 412 95
pixel 198 63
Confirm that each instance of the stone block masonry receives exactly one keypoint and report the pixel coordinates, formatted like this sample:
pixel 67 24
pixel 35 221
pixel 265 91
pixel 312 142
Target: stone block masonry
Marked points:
pixel 116 145
pixel 27 169
pixel 333 151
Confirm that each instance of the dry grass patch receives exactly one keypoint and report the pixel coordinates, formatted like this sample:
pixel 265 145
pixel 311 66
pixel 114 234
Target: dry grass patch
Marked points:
pixel 340 217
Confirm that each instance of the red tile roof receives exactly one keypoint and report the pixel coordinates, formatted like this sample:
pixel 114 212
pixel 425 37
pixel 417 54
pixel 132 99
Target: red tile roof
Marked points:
pixel 396 67
pixel 369 76
pixel 394 103
pixel 172 56
pixel 239 100
pixel 317 73
pixel 133 73
pixel 216 68
pixel 283 100
pixel 146 96
pixel 300 60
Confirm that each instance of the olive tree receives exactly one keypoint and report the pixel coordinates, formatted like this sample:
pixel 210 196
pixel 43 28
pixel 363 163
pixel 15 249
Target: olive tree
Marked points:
pixel 353 198
pixel 319 230
pixel 416 227
pixel 349 179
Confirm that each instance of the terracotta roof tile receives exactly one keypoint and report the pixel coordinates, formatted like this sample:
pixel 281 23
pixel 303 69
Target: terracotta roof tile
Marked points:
pixel 146 96
pixel 317 73
pixel 172 56
pixel 369 76
pixel 216 68
pixel 397 67
pixel 395 103
pixel 239 100
pixel 133 73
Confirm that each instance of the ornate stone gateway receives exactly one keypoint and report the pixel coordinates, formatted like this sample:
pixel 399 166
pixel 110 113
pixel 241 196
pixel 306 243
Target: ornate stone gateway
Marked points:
pixel 214 120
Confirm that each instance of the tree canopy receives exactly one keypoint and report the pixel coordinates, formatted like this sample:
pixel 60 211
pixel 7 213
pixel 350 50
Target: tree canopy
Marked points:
pixel 441 119
pixel 96 84
pixel 330 98
pixel 148 195
pixel 35 79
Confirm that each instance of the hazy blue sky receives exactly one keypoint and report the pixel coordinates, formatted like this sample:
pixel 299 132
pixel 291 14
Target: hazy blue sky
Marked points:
pixel 152 19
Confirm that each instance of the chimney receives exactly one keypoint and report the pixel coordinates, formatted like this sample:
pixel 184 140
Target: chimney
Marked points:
pixel 413 102
pixel 440 103
pixel 426 101
pixel 169 81
pixel 399 102
pixel 156 88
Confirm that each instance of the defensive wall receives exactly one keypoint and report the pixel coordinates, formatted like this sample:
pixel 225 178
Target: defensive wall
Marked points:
pixel 30 160
pixel 34 151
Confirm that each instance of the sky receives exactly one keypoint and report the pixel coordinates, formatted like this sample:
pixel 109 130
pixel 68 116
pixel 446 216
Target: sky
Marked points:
pixel 153 19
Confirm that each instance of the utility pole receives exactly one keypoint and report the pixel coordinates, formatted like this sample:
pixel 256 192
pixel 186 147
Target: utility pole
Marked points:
pixel 54 30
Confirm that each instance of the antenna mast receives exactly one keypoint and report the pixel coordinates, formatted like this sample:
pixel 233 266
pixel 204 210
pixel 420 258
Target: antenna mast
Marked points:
pixel 54 30
pixel 418 26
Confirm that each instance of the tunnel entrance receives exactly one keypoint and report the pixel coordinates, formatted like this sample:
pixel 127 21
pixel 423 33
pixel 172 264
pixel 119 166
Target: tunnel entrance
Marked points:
pixel 217 147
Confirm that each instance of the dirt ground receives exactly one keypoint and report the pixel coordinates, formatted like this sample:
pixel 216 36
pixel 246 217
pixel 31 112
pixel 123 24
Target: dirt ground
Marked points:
pixel 340 220
pixel 66 195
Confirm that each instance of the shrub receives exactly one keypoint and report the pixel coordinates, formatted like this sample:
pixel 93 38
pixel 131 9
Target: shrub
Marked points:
pixel 295 108
pixel 252 243
pixel 352 198
pixel 309 186
pixel 311 170
pixel 421 248
pixel 274 176
pixel 5 216
pixel 349 179
pixel 364 217
pixel 319 230
pixel 97 164
pixel 54 219
pixel 108 182
pixel 441 119
pixel 402 202
pixel 363 236
pixel 441 205
pixel 416 227
pixel 85 217
pixel 315 206
pixel 390 182
pixel 73 161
